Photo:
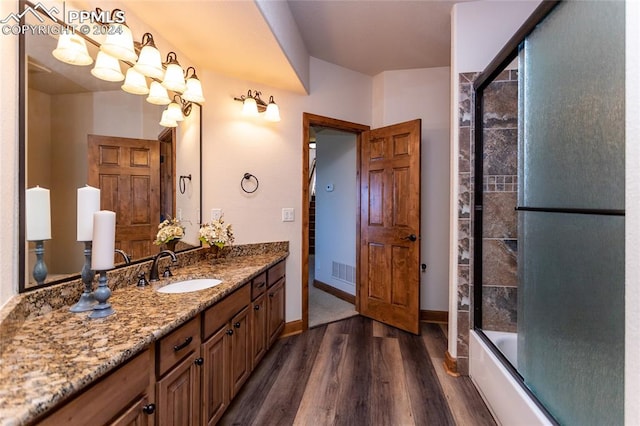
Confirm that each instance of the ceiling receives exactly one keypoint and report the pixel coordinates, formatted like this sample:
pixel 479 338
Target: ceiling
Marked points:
pixel 368 36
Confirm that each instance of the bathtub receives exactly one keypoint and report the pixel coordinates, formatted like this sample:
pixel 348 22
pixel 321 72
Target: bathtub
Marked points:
pixel 507 343
pixel 507 401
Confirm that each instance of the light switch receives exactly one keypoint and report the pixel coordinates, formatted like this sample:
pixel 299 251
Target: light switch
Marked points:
pixel 288 215
pixel 216 214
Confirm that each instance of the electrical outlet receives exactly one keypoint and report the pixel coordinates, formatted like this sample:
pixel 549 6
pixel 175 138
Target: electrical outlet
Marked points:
pixel 288 215
pixel 216 214
pixel 179 215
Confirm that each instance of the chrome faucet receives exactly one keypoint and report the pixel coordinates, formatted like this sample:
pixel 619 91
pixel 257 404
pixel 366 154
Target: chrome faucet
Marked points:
pixel 124 255
pixel 153 274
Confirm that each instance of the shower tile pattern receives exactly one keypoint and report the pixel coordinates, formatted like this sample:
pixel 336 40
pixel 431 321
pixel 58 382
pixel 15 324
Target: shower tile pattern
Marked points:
pixel 500 185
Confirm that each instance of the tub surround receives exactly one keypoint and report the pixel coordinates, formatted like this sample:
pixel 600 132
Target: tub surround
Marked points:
pixel 48 353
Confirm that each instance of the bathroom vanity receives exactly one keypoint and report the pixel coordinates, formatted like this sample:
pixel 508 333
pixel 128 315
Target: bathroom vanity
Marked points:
pixel 160 359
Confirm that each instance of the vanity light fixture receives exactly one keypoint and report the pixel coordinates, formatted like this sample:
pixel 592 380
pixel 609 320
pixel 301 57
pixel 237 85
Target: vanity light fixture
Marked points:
pixel 72 49
pixel 193 92
pixel 252 105
pixel 158 94
pixel 119 46
pixel 135 83
pixel 166 121
pixel 174 110
pixel 107 68
pixel 174 76
pixel 119 42
pixel 149 62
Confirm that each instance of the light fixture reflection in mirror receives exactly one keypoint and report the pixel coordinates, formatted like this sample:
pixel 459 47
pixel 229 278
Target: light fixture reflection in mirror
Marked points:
pixel 66 104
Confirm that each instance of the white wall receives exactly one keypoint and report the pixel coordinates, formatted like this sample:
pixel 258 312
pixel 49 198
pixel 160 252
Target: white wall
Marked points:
pixel 336 211
pixel 233 145
pixel 187 163
pixel 632 218
pixel 479 30
pixel 424 93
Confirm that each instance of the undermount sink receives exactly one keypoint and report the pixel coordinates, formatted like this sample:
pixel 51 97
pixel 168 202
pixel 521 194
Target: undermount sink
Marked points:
pixel 189 286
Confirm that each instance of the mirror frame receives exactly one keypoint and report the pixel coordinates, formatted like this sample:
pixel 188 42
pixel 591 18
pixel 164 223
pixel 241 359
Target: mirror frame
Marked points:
pixel 22 140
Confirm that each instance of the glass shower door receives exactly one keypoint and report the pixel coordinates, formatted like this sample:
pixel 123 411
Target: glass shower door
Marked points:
pixel 571 213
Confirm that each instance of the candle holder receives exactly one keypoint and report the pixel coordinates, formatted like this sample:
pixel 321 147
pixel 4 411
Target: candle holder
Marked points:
pixel 40 268
pixel 102 294
pixel 87 300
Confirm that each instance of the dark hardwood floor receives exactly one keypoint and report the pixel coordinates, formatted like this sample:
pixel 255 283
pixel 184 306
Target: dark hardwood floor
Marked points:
pixel 357 372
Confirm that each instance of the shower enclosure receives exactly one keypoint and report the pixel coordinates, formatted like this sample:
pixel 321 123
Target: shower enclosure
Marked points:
pixel 548 216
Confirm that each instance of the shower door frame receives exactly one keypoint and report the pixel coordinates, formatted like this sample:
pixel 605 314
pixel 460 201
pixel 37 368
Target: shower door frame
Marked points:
pixel 506 55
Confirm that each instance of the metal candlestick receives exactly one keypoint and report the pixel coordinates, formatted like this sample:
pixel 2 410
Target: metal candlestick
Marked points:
pixel 40 269
pixel 102 294
pixel 87 300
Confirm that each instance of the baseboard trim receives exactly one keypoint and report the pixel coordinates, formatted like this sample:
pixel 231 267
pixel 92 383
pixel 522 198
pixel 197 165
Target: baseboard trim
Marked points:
pixel 335 291
pixel 441 317
pixel 291 328
pixel 451 365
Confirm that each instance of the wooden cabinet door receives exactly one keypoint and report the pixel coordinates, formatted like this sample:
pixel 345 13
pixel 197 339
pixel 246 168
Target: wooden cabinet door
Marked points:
pixel 179 394
pixel 275 311
pixel 215 377
pixel 258 329
pixel 135 415
pixel 240 350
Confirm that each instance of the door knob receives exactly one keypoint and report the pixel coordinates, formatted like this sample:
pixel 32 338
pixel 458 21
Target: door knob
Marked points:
pixel 411 237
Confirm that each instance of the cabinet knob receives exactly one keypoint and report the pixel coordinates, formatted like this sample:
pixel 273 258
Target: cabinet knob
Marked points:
pixel 236 325
pixel 199 361
pixel 229 332
pixel 256 308
pixel 149 409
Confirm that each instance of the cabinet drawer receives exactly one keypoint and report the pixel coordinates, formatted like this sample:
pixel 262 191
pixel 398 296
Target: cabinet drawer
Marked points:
pixel 177 345
pixel 103 401
pixel 217 315
pixel 258 285
pixel 275 273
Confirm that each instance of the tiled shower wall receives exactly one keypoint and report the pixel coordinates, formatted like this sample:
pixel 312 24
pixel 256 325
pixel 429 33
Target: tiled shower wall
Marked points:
pixel 500 196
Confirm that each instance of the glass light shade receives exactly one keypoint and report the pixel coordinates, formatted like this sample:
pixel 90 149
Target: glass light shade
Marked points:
pixel 166 121
pixel 158 95
pixel 107 68
pixel 250 107
pixel 193 93
pixel 174 112
pixel 72 49
pixel 135 83
pixel 119 43
pixel 174 78
pixel 272 113
pixel 150 63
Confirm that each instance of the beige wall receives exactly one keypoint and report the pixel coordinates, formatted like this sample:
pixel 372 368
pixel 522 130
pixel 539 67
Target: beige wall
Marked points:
pixel 9 162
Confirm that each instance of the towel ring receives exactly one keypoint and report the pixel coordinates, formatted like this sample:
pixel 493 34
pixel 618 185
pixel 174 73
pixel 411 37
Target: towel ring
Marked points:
pixel 182 183
pixel 248 176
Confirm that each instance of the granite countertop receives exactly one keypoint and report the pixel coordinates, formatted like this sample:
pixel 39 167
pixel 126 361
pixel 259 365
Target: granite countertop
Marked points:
pixel 52 356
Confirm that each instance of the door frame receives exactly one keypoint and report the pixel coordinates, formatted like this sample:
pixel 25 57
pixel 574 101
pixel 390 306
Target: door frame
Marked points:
pixel 309 120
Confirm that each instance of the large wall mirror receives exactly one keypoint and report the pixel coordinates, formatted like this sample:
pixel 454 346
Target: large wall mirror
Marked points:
pixel 68 117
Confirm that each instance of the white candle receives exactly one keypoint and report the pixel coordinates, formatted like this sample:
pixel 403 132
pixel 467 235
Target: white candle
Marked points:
pixel 38 212
pixel 88 204
pixel 104 240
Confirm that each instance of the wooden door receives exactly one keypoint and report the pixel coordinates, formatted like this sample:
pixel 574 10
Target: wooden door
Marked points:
pixel 215 377
pixel 179 395
pixel 258 329
pixel 127 171
pixel 275 312
pixel 389 289
pixel 240 359
pixel 135 415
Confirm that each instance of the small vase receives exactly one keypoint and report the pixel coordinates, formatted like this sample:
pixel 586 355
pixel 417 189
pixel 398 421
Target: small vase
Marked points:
pixel 214 251
pixel 171 244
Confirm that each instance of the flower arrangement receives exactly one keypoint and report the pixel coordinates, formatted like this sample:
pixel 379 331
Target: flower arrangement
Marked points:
pixel 168 230
pixel 216 233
